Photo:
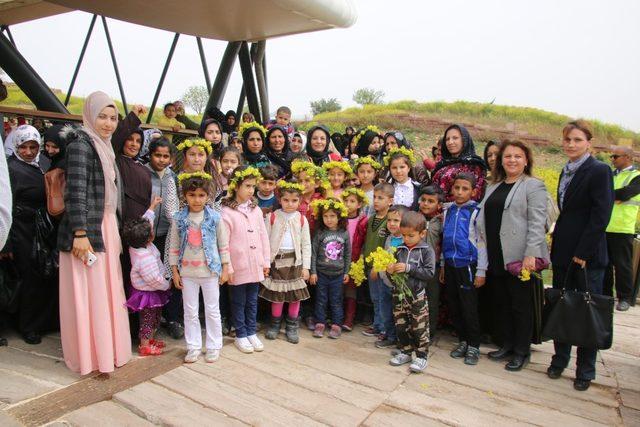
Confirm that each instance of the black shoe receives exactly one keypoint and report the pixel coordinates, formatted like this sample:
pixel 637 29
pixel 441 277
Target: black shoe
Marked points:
pixel 32 338
pixel 517 363
pixel 472 356
pixel 554 373
pixel 460 351
pixel 3 342
pixel 175 330
pixel 501 354
pixel 581 385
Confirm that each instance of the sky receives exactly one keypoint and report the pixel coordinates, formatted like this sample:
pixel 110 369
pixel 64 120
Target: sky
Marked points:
pixel 580 58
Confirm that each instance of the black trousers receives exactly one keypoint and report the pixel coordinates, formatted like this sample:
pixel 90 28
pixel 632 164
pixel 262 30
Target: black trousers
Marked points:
pixel 463 303
pixel 515 308
pixel 620 269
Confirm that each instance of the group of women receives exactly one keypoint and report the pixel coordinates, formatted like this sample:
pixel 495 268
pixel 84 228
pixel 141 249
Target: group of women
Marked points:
pixel 106 184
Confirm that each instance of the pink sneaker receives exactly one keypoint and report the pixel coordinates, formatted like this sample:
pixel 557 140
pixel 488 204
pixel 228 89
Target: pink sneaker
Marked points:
pixel 335 332
pixel 318 332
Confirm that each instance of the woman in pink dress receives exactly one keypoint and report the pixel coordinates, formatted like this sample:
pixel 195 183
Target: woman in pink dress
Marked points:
pixel 94 325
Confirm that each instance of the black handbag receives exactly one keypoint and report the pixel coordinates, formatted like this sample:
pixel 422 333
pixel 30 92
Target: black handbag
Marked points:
pixel 10 283
pixel 579 318
pixel 44 251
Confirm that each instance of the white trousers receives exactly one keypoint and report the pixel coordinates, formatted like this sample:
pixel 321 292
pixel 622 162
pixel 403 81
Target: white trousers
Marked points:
pixel 190 303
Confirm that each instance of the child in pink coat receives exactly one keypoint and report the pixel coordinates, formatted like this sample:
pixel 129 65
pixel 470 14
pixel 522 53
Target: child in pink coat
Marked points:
pixel 249 252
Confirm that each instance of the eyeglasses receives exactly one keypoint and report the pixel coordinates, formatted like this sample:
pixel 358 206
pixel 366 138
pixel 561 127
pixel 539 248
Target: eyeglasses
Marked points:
pixel 615 156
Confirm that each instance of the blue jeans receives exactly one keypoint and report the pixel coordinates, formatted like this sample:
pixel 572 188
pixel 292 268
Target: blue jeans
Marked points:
pixel 329 295
pixel 244 308
pixel 586 360
pixel 382 308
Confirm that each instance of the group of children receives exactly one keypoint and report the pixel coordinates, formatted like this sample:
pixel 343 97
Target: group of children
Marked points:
pixel 295 241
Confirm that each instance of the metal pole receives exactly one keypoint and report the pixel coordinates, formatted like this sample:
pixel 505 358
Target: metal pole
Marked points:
pixel 162 76
pixel 115 64
pixel 249 83
pixel 6 29
pixel 82 52
pixel 205 69
pixel 243 92
pixel 216 94
pixel 27 79
pixel 260 79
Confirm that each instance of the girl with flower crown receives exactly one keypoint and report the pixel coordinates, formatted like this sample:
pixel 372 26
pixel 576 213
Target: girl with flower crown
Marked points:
pixel 199 259
pixel 406 191
pixel 330 261
pixel 250 257
pixel 290 243
pixel 253 146
pixel 338 172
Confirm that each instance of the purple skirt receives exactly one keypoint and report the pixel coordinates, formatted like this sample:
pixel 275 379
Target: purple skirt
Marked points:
pixel 139 300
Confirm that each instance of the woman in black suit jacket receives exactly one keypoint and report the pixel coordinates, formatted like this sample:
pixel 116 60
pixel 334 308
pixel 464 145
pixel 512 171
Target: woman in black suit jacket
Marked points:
pixel 585 198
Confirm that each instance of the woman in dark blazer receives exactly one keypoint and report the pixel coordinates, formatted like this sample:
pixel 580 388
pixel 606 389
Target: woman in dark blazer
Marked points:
pixel 512 222
pixel 585 199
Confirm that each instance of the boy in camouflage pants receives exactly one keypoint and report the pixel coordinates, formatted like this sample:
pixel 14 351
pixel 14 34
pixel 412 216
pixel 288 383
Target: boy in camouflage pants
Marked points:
pixel 416 259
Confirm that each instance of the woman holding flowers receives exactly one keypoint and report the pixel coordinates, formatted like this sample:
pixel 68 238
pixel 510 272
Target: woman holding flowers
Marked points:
pixel 512 219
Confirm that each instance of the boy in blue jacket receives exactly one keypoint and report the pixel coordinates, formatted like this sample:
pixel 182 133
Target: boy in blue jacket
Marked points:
pixel 463 253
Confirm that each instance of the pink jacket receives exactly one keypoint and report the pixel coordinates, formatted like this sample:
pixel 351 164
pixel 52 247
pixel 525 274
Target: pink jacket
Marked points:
pixel 248 245
pixel 147 269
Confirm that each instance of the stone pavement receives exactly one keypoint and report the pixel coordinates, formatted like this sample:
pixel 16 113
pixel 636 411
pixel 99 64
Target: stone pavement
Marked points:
pixel 319 381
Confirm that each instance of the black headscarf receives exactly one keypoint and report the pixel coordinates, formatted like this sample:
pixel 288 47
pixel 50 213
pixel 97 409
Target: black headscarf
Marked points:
pixel 217 148
pixel 255 159
pixel 467 156
pixel 318 157
pixel 53 134
pixel 227 128
pixel 338 142
pixel 282 159
pixel 362 147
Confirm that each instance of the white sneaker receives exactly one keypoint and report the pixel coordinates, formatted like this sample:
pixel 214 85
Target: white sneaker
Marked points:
pixel 244 345
pixel 212 355
pixel 192 356
pixel 418 365
pixel 400 359
pixel 255 342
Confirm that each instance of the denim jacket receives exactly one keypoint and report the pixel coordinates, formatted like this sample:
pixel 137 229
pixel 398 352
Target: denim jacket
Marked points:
pixel 209 238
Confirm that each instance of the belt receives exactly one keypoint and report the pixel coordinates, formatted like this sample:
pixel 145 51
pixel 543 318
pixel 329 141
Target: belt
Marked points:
pixel 285 255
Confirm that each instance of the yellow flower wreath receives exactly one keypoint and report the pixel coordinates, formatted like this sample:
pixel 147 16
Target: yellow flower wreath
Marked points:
pixel 198 142
pixel 400 150
pixel 327 166
pixel 366 160
pixel 243 127
pixel 249 172
pixel 360 134
pixel 356 192
pixel 202 175
pixel 325 204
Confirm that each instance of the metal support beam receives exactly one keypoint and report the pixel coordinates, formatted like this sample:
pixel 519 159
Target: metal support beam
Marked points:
pixel 254 48
pixel 162 76
pixel 249 83
pixel 205 69
pixel 217 92
pixel 16 67
pixel 260 79
pixel 6 29
pixel 82 52
pixel 115 64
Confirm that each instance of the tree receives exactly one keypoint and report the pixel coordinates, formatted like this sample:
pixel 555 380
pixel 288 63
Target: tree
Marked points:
pixel 325 106
pixel 366 96
pixel 196 97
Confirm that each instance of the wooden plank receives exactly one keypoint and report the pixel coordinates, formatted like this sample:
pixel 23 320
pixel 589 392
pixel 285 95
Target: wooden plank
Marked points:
pixel 392 417
pixel 94 389
pixel 103 414
pixel 161 406
pixel 300 399
pixel 230 400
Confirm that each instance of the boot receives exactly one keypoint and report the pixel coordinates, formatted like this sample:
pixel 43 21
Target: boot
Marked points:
pixel 291 330
pixel 349 314
pixel 274 328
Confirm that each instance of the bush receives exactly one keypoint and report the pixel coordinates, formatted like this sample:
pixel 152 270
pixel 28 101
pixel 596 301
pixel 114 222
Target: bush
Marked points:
pixel 368 96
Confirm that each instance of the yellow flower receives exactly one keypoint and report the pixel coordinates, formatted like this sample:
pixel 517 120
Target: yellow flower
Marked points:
pixel 202 175
pixel 327 166
pixel 368 160
pixel 380 259
pixel 356 272
pixel 363 131
pixel 400 150
pixel 325 204
pixel 245 126
pixel 525 275
pixel 249 172
pixel 362 197
pixel 198 142
pixel 284 185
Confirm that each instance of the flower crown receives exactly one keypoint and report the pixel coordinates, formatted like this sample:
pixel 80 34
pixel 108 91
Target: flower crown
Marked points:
pixel 198 142
pixel 360 134
pixel 353 191
pixel 245 126
pixel 400 150
pixel 202 175
pixel 366 160
pixel 249 172
pixel 326 204
pixel 292 186
pixel 327 166
pixel 303 166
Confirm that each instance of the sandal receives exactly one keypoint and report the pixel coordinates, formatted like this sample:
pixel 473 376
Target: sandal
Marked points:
pixel 149 350
pixel 157 343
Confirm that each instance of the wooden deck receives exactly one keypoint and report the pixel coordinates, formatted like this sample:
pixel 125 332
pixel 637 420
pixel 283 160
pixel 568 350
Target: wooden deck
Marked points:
pixel 319 381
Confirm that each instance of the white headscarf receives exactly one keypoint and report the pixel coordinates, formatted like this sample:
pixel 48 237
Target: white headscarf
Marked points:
pixel 20 136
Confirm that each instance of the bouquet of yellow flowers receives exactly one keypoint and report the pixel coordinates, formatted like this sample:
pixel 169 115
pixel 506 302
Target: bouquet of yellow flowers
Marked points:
pixel 356 272
pixel 380 260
